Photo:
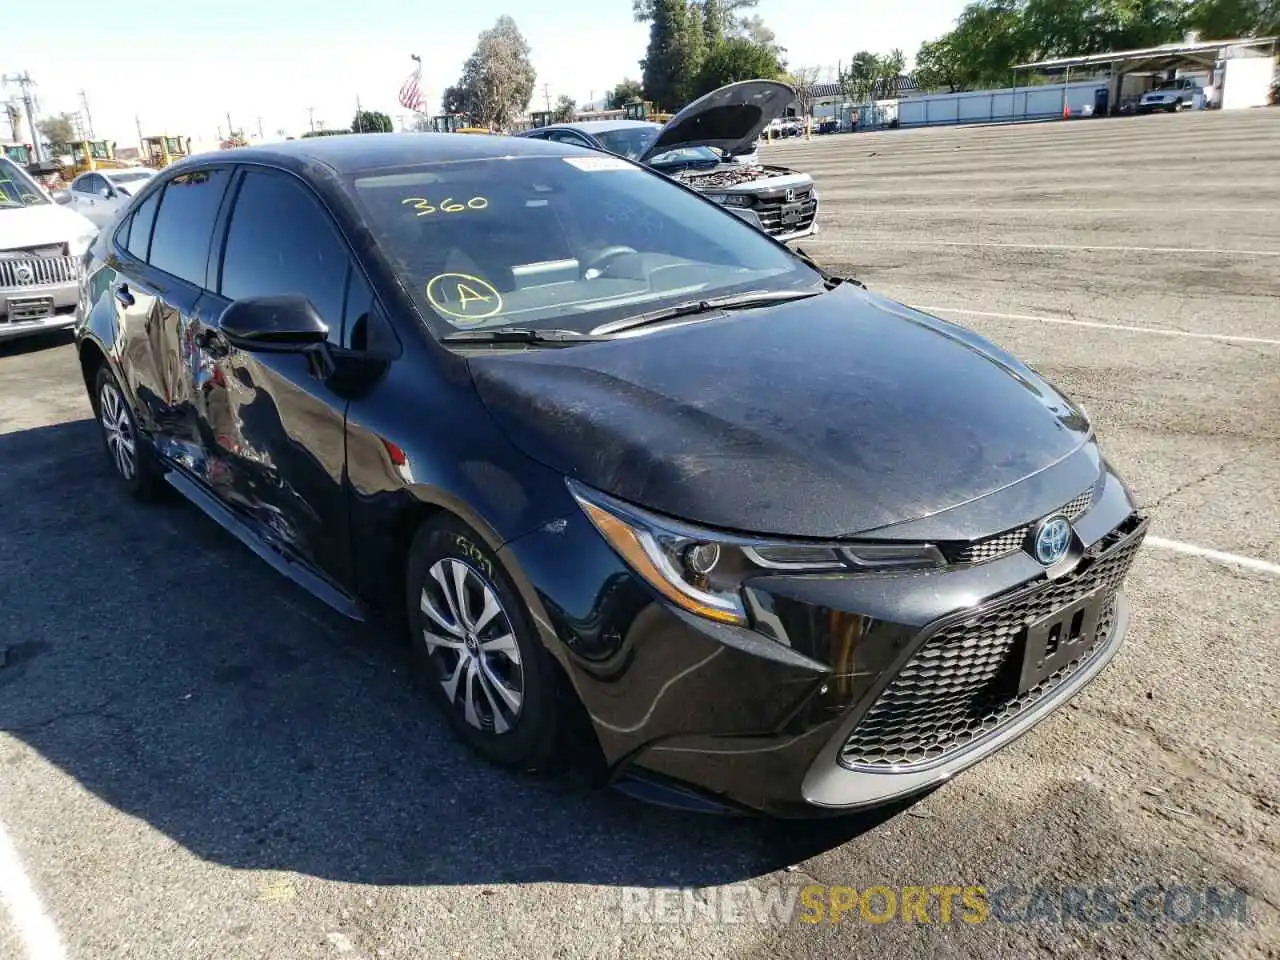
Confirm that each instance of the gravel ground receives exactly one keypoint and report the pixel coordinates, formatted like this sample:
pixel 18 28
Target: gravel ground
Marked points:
pixel 200 761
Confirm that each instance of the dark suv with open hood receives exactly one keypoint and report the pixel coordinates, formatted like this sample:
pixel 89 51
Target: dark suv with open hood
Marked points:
pixel 781 543
pixel 710 146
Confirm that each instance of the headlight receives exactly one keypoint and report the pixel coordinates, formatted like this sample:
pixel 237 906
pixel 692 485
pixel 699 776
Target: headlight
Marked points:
pixel 715 197
pixel 737 200
pixel 702 571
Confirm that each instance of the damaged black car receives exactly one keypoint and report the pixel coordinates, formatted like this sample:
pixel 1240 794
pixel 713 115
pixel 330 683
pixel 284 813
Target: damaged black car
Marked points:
pixel 788 546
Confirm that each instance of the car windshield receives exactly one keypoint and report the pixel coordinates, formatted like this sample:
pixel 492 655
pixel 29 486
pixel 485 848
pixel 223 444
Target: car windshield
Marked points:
pixel 632 142
pixel 569 242
pixel 130 181
pixel 17 189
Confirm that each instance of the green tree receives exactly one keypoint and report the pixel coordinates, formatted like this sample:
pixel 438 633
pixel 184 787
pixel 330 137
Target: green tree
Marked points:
pixel 715 21
pixel 453 100
pixel 670 63
pixel 1226 19
pixel 695 51
pixel 371 121
pixel 628 91
pixel 59 129
pixel 497 79
pixel 565 109
pixel 735 59
pixel 937 67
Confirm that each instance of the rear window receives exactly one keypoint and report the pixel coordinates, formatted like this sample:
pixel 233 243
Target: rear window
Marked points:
pixel 567 242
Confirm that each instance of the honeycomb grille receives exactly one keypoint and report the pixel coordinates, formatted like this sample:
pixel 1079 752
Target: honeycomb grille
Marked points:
pixel 1002 543
pixel 961 686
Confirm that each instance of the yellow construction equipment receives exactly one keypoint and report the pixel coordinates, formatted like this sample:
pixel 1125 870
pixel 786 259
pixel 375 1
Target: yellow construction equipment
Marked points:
pixel 159 152
pixel 80 157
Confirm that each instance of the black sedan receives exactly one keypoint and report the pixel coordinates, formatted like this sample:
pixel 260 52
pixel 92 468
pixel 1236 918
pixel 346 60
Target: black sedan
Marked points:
pixel 609 452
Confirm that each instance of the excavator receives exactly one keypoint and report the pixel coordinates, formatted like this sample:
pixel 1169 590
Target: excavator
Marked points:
pixel 159 152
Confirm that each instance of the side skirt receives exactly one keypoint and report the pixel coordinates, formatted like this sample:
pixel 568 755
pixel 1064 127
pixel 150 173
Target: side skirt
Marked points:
pixel 277 555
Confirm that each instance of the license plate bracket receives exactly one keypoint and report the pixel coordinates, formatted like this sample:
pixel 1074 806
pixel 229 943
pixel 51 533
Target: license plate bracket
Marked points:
pixel 1054 641
pixel 29 308
pixel 792 214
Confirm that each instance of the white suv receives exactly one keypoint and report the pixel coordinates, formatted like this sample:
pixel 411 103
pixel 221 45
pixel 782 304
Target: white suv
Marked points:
pixel 1173 96
pixel 41 243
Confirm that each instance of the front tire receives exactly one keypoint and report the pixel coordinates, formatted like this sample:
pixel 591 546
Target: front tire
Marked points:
pixel 476 649
pixel 127 450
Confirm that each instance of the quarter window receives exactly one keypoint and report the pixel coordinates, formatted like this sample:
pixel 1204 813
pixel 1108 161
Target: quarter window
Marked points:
pixel 140 226
pixel 188 208
pixel 281 242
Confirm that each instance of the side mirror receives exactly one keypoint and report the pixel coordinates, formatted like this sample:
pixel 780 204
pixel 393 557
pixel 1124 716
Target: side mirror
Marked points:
pixel 61 196
pixel 105 193
pixel 273 323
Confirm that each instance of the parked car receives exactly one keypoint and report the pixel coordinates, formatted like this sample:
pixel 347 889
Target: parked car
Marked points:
pixel 701 146
pixel 40 245
pixel 101 194
pixel 791 546
pixel 1183 93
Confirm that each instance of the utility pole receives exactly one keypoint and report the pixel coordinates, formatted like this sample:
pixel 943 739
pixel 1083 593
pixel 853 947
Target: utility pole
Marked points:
pixel 546 93
pixel 229 130
pixel 311 118
pixel 359 116
pixel 137 122
pixel 259 128
pixel 88 117
pixel 25 83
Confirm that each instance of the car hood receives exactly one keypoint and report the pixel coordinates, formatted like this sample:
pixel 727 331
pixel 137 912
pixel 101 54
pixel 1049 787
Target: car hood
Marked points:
pixel 730 119
pixel 823 417
pixel 45 223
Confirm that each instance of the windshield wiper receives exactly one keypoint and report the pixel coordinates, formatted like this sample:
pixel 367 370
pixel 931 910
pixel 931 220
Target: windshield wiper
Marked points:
pixel 520 335
pixel 691 308
pixel 830 281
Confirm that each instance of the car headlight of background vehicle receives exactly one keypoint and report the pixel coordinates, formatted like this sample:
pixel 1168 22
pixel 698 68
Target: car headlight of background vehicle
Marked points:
pixel 729 199
pixel 702 571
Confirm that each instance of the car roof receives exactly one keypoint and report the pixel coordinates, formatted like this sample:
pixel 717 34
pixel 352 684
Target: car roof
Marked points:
pixel 356 152
pixel 604 126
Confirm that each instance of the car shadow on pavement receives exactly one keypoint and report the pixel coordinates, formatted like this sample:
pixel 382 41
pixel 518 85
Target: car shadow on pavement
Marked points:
pixel 153 659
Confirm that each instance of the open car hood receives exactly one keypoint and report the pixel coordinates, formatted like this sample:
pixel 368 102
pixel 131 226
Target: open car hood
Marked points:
pixel 730 119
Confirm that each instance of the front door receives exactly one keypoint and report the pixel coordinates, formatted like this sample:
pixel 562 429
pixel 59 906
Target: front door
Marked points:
pixel 274 425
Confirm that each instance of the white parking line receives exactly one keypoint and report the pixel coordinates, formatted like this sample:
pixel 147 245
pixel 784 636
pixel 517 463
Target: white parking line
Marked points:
pixel 1157 331
pixel 1249 563
pixel 34 928
pixel 902 242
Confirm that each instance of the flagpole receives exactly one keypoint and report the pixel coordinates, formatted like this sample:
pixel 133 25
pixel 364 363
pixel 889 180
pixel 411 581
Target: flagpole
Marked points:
pixel 359 116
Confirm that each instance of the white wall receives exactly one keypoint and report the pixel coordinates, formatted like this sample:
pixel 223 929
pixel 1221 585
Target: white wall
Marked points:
pixel 1246 81
pixel 984 106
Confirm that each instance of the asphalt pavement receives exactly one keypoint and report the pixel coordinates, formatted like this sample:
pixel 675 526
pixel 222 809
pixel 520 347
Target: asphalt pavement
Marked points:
pixel 197 760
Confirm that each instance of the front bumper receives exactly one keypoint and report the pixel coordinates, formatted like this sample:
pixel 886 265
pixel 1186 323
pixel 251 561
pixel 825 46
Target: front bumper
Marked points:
pixel 847 692
pixel 37 308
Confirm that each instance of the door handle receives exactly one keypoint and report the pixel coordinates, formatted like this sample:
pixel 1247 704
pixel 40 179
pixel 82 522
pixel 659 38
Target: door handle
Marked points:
pixel 124 296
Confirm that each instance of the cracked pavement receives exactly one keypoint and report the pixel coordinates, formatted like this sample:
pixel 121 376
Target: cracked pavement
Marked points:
pixel 198 761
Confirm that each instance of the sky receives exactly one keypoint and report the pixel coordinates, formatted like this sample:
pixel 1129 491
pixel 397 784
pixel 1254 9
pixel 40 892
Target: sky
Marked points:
pixel 276 65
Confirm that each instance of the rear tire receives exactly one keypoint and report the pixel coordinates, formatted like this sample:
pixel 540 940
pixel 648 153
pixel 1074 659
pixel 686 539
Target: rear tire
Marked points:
pixel 476 649
pixel 128 451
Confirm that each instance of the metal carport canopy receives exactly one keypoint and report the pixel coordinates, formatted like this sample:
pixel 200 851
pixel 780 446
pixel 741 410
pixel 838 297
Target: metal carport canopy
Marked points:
pixel 1202 53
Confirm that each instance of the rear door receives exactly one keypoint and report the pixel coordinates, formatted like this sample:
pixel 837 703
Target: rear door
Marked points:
pixel 276 423
pixel 163 249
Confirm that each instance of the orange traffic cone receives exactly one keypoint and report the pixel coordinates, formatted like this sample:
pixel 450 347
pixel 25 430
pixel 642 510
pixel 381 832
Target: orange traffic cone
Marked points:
pixel 1066 111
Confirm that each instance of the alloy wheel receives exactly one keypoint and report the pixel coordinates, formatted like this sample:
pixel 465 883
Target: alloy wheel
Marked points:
pixel 117 427
pixel 467 631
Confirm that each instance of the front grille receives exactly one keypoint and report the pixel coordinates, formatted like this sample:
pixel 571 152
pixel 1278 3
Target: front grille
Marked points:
pixel 769 210
pixel 38 271
pixel 961 686
pixel 1010 541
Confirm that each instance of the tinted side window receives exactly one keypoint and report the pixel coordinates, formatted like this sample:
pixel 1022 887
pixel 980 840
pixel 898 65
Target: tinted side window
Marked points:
pixel 140 226
pixel 365 327
pixel 188 208
pixel 279 242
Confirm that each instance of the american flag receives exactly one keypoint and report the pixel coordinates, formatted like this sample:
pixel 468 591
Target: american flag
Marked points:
pixel 410 92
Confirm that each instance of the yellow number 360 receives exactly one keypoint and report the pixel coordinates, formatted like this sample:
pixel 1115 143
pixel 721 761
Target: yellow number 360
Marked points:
pixel 447 205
